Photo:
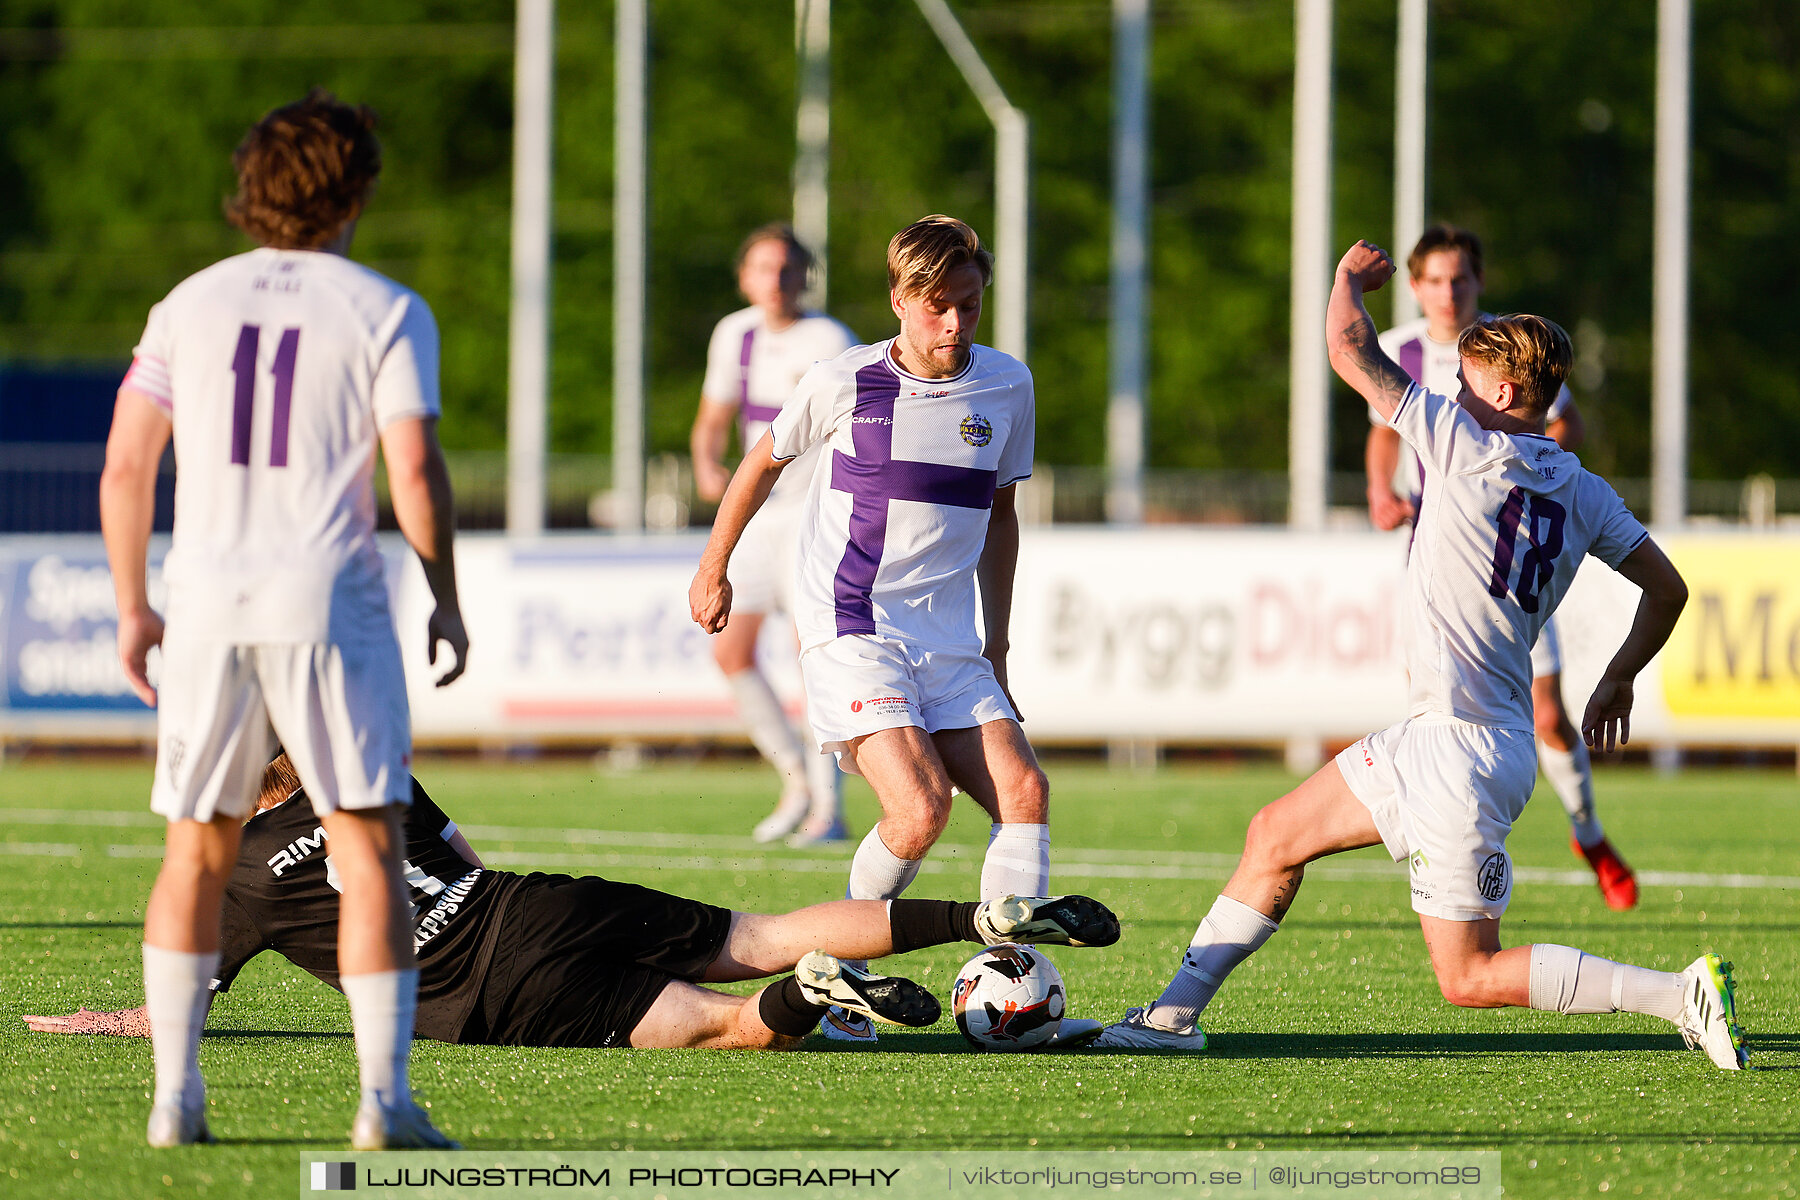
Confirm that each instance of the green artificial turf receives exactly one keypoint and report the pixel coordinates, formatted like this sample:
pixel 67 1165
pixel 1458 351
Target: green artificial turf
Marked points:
pixel 1332 1036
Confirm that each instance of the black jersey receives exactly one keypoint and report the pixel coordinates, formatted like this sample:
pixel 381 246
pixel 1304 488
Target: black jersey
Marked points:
pixel 283 896
pixel 523 960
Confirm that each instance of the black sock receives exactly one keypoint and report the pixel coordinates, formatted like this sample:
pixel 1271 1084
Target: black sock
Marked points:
pixel 784 1008
pixel 915 924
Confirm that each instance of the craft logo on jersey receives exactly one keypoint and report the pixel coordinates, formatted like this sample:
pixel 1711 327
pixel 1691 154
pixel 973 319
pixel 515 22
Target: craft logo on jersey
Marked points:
pixel 1492 879
pixel 976 431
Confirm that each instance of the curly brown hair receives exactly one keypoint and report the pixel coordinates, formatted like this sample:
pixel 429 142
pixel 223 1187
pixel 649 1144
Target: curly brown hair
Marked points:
pixel 304 171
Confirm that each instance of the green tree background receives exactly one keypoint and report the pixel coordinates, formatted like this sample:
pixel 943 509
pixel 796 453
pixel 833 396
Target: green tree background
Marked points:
pixel 117 118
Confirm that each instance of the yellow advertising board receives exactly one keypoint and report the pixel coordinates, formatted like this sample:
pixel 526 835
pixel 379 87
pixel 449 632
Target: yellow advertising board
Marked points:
pixel 1736 650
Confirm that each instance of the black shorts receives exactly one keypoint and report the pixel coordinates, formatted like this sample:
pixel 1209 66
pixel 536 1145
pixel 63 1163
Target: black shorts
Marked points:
pixel 579 961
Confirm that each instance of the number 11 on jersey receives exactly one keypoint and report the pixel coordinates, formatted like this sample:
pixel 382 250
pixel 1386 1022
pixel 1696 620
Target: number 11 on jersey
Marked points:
pixel 243 366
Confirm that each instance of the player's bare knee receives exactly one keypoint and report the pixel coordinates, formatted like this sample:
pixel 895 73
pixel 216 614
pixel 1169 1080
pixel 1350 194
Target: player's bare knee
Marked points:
pixel 911 830
pixel 1266 841
pixel 1465 984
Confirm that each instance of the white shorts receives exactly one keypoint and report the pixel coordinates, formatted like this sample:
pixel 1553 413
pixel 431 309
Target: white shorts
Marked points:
pixel 339 710
pixel 858 685
pixel 1445 795
pixel 1546 652
pixel 761 570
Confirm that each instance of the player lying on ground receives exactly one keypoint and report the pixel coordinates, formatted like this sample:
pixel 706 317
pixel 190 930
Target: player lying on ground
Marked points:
pixel 1508 515
pixel 550 960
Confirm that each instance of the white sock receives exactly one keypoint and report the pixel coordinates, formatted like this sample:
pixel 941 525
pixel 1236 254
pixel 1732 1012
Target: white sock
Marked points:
pixel 877 873
pixel 1230 932
pixel 824 783
pixel 1571 775
pixel 177 991
pixel 770 731
pixel 381 1015
pixel 1017 862
pixel 1565 980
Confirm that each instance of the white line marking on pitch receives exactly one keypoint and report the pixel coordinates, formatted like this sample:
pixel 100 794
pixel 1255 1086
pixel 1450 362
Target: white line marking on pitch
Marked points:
pixel 753 856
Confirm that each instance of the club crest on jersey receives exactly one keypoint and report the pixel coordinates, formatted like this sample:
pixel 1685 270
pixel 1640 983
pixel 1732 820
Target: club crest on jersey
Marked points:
pixel 976 430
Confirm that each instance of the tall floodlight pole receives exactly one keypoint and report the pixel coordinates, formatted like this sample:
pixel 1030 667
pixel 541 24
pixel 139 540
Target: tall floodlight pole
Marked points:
pixel 1669 299
pixel 630 235
pixel 812 157
pixel 1309 377
pixel 1410 74
pixel 1012 178
pixel 1130 261
pixel 528 335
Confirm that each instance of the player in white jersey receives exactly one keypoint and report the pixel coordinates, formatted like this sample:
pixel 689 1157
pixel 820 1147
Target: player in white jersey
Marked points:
pixel 1508 516
pixel 926 436
pixel 755 358
pixel 1445 270
pixel 277 372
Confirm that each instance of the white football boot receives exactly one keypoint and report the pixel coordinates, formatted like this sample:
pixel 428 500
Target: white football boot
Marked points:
pixel 1047 920
pixel 790 810
pixel 1709 1013
pixel 402 1127
pixel 178 1125
pixel 847 989
pixel 1136 1033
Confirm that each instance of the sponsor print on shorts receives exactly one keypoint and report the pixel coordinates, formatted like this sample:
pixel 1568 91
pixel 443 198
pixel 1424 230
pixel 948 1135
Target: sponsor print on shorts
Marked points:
pixel 1494 877
pixel 881 705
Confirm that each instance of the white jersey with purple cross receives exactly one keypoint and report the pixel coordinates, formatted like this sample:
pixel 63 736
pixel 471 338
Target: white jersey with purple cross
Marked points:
pixel 754 368
pixel 1433 364
pixel 279 369
pixel 1506 521
pixel 898 512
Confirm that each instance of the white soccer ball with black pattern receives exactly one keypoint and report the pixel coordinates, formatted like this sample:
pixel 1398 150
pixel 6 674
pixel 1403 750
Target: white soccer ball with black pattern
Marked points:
pixel 1008 997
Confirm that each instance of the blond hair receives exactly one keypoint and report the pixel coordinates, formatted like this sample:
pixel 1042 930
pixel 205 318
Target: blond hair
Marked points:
pixel 1531 353
pixel 922 256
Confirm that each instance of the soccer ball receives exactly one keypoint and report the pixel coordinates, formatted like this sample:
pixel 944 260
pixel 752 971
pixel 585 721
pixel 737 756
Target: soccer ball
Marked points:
pixel 1008 998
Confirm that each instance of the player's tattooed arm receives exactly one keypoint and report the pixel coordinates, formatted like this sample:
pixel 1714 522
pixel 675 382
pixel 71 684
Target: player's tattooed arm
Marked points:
pixel 1350 339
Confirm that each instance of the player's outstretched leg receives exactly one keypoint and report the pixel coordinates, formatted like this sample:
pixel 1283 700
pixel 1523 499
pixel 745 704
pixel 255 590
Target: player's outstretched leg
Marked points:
pixel 829 981
pixel 1047 920
pixel 1322 816
pixel 1474 972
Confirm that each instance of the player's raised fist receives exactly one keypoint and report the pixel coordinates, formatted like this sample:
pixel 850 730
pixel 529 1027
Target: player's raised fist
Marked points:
pixel 1366 265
